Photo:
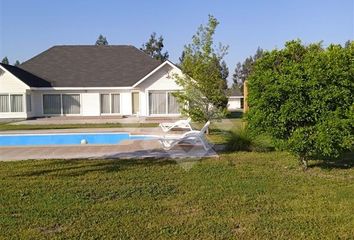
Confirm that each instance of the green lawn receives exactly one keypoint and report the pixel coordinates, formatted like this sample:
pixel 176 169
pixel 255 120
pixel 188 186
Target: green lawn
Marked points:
pixel 240 195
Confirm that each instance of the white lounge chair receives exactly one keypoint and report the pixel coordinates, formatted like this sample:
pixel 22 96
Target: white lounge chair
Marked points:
pixel 181 124
pixel 191 137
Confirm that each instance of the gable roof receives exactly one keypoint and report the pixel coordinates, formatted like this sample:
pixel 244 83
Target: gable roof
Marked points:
pixel 28 78
pixel 91 66
pixel 235 92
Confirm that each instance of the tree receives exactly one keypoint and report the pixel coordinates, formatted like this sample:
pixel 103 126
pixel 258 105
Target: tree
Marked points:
pixel 5 60
pixel 242 71
pixel 154 46
pixel 101 41
pixel 204 75
pixel 17 63
pixel 347 43
pixel 303 97
pixel 224 74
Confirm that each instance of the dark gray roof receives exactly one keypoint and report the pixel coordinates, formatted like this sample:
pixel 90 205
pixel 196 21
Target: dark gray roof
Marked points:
pixel 91 66
pixel 28 78
pixel 235 92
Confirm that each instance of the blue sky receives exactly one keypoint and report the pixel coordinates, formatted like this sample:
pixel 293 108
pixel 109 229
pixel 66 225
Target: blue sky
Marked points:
pixel 30 27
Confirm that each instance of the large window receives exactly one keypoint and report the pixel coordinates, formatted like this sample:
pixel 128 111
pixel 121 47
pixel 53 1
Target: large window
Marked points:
pixel 110 103
pixel 71 103
pixel 163 102
pixel 61 104
pixel 4 103
pixel 52 104
pixel 11 103
pixel 16 103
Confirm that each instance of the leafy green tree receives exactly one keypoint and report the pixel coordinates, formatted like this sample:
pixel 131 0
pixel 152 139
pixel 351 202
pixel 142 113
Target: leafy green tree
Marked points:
pixel 224 73
pixel 242 71
pixel 154 47
pixel 101 41
pixel 5 60
pixel 17 63
pixel 204 76
pixel 303 97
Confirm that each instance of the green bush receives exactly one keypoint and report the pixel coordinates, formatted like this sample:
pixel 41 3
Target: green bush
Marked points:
pixel 303 97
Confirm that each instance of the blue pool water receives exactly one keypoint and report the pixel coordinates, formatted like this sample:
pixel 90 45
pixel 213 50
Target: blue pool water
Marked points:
pixel 68 139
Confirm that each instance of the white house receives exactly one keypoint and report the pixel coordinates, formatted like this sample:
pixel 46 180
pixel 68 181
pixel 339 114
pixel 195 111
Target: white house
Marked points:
pixel 89 81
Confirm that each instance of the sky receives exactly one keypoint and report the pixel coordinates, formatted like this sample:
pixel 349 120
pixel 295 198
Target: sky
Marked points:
pixel 28 27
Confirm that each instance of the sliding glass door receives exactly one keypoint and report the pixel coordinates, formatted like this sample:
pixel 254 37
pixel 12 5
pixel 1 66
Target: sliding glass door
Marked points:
pixel 162 102
pixel 57 104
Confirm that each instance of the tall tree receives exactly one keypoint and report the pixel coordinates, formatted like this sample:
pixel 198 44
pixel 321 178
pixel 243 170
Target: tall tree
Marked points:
pixel 347 44
pixel 5 60
pixel 17 63
pixel 154 46
pixel 204 74
pixel 224 70
pixel 101 40
pixel 243 70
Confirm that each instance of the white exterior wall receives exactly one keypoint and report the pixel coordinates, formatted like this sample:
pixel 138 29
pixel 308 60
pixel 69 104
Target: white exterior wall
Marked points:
pixel 90 104
pixel 234 103
pixel 162 80
pixel 9 84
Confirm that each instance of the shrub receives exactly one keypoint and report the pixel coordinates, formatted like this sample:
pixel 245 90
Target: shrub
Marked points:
pixel 303 97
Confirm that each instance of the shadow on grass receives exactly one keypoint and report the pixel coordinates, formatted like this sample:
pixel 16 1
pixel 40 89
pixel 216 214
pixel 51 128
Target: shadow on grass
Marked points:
pixel 79 167
pixel 235 114
pixel 345 162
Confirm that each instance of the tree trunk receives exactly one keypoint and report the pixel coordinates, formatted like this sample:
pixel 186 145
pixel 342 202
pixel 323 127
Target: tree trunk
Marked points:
pixel 304 162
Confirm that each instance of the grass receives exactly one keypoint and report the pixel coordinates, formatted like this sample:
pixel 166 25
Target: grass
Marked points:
pixel 8 127
pixel 244 195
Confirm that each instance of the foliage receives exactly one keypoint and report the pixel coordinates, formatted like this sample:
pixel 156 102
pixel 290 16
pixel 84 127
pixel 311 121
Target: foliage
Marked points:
pixel 243 71
pixel 204 76
pixel 154 46
pixel 17 63
pixel 243 195
pixel 5 60
pixel 101 41
pixel 303 97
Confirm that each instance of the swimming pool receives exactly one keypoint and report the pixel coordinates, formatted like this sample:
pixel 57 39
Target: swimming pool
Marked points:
pixel 67 138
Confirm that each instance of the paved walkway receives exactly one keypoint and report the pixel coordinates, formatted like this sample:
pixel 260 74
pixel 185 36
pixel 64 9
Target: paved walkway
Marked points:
pixel 128 149
pixel 93 120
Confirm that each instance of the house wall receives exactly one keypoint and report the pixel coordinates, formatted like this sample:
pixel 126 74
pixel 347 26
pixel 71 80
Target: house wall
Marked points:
pixel 234 103
pixel 9 84
pixel 162 80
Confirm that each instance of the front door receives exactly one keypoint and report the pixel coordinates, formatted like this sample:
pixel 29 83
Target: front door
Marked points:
pixel 135 102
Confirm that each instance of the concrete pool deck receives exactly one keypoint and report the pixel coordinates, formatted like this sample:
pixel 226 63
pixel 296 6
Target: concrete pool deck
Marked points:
pixel 128 149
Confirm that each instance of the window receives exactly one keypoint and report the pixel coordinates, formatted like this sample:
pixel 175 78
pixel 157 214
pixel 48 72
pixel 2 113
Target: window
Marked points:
pixel 157 102
pixel 11 102
pixel 61 104
pixel 115 106
pixel 173 106
pixel 16 103
pixel 52 104
pixel 162 102
pixel 105 103
pixel 110 103
pixel 4 103
pixel 71 103
pixel 29 103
